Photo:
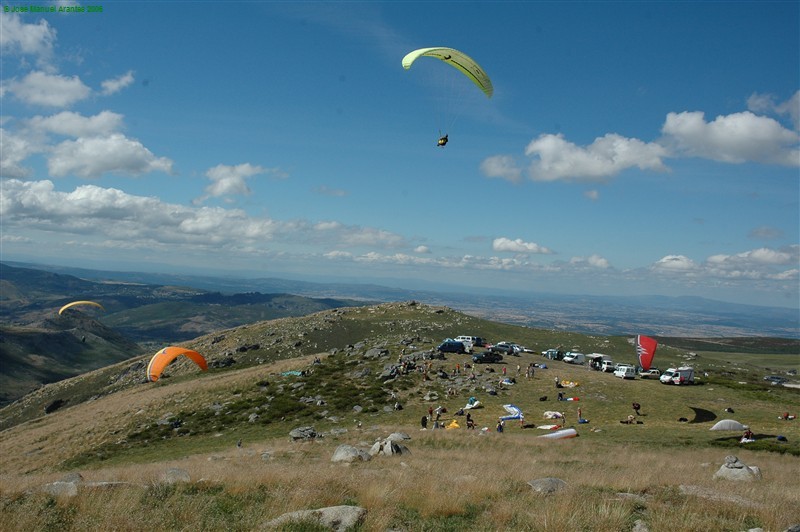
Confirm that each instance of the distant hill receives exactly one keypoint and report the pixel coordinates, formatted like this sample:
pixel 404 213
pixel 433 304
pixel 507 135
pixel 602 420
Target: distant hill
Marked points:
pixel 146 311
pixel 54 349
pixel 654 315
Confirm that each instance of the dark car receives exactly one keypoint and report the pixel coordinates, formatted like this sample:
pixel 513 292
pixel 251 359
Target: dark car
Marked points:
pixel 487 357
pixel 451 346
pixel 775 379
pixel 506 349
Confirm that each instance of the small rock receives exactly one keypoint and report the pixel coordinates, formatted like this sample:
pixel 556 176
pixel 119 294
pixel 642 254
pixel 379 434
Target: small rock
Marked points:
pixel 61 489
pixel 547 485
pixel 175 475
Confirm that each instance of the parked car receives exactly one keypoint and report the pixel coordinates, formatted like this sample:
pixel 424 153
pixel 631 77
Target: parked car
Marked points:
pixel 487 357
pixel 650 374
pixel 607 366
pixel 553 354
pixel 504 347
pixel 451 346
pixel 467 341
pixel 775 379
pixel 476 341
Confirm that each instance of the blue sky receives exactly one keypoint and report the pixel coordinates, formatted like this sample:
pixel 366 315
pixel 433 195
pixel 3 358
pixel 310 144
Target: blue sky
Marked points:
pixel 629 147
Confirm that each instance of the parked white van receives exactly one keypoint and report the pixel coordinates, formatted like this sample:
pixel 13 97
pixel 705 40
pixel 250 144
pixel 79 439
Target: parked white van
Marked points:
pixel 684 375
pixel 625 372
pixel 575 358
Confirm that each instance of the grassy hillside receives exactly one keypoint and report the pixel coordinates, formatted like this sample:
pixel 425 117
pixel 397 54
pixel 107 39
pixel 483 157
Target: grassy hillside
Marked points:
pixel 116 427
pixel 38 346
pixel 54 349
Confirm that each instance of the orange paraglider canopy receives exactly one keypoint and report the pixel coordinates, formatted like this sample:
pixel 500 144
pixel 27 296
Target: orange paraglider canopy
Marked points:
pixel 163 358
pixel 74 303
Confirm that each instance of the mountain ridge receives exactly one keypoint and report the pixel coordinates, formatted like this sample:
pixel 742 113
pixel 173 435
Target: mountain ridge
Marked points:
pixel 657 314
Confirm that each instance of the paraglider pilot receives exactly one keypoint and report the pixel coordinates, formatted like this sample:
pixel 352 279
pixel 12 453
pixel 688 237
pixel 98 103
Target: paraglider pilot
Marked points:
pixel 442 141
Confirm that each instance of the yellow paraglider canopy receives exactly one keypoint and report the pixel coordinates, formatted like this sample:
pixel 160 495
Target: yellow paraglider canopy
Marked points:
pixel 458 60
pixel 75 303
pixel 163 358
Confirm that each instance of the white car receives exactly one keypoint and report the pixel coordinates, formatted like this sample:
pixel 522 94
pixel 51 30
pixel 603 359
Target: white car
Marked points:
pixel 650 374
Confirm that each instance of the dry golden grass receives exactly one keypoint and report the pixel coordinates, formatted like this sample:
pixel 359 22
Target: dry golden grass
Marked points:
pixel 453 480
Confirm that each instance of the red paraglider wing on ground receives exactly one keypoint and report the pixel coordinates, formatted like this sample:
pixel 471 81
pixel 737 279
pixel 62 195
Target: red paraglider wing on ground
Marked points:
pixel 646 349
pixel 164 357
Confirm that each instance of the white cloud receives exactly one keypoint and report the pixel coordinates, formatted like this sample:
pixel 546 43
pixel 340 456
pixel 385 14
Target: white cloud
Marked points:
pixel 503 167
pixel 757 256
pixel 593 195
pixel 765 232
pixel 518 246
pixel 93 156
pixel 72 124
pixel 227 180
pixel 594 261
pixel 51 90
pixel 148 223
pixel 16 37
pixel 326 191
pixel 765 103
pixel 362 237
pixel 675 263
pixel 15 149
pixel 111 86
pixel 336 255
pixel 422 249
pixel 556 158
pixel 754 265
pixel 734 138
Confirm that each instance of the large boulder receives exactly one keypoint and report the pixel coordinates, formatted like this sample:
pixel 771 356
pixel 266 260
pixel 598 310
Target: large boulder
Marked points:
pixel 303 433
pixel 398 436
pixel 388 448
pixel 338 518
pixel 350 454
pixel 735 469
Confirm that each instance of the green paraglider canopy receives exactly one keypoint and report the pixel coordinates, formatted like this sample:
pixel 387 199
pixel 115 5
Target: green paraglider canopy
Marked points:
pixel 456 59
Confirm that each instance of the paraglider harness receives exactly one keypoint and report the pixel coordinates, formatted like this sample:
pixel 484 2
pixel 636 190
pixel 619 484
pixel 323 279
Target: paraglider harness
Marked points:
pixel 442 141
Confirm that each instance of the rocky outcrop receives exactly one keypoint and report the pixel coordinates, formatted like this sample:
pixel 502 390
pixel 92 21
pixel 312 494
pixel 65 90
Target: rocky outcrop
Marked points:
pixel 735 469
pixel 337 518
pixel 303 433
pixel 349 454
